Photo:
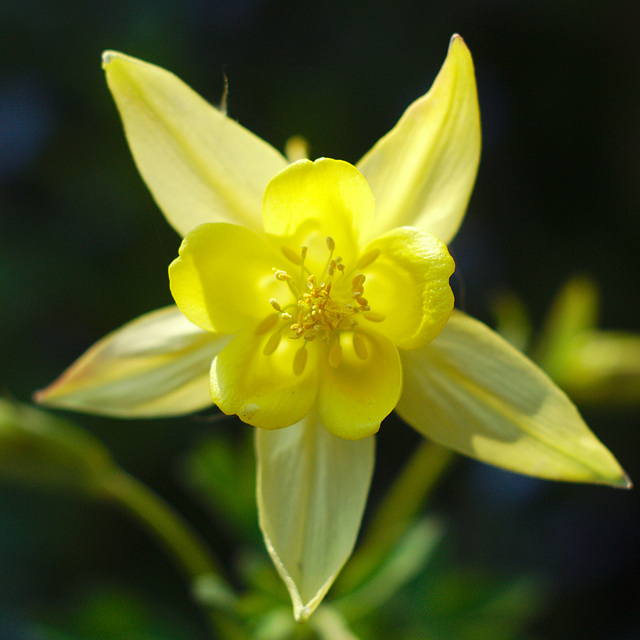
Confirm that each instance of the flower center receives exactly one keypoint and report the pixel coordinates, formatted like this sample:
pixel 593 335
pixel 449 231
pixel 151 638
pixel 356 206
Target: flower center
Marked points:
pixel 322 306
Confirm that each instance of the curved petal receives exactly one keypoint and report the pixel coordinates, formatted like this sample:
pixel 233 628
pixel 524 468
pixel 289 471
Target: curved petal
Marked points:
pixel 156 365
pixel 199 165
pixel 422 172
pixel 263 390
pixel 222 279
pixel 471 391
pixel 408 284
pixel 355 396
pixel 312 490
pixel 309 201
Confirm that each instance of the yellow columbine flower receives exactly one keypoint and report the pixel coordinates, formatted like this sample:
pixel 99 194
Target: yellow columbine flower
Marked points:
pixel 314 296
pixel 318 308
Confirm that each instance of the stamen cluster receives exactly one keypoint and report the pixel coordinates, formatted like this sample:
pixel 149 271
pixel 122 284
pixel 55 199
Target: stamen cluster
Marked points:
pixel 321 308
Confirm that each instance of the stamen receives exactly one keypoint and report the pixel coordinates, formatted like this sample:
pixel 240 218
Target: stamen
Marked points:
pixel 335 355
pixel 268 323
pixel 272 343
pixel 281 275
pixel 360 346
pixel 373 316
pixel 290 254
pixel 358 281
pixel 300 361
pixel 322 309
pixel 368 258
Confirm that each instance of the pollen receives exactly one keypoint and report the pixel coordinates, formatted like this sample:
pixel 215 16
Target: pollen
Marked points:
pixel 317 307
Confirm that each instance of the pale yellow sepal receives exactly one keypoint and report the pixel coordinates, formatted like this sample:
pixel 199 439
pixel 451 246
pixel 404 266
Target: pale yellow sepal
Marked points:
pixel 312 490
pixel 156 365
pixel 472 391
pixel 199 165
pixel 423 171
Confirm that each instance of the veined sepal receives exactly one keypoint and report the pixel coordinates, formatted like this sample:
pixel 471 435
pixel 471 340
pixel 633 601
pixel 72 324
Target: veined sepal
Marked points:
pixel 312 489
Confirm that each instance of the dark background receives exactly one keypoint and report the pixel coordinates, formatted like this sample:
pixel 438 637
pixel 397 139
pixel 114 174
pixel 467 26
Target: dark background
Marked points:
pixel 84 249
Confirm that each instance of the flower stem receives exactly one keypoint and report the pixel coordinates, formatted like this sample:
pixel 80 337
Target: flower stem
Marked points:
pixel 177 537
pixel 402 502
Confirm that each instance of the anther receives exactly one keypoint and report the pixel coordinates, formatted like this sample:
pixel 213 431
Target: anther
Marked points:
pixel 271 344
pixel 281 275
pixel 268 323
pixel 335 355
pixel 374 316
pixel 290 254
pixel 300 361
pixel 367 258
pixel 358 281
pixel 331 243
pixel 360 346
pixel 275 304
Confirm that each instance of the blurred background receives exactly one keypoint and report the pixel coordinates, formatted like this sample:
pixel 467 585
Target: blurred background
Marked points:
pixel 83 249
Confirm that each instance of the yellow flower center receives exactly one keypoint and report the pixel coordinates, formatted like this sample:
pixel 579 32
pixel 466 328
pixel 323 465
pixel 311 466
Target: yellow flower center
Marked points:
pixel 322 307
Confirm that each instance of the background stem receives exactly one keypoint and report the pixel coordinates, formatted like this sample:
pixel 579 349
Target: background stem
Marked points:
pixel 177 537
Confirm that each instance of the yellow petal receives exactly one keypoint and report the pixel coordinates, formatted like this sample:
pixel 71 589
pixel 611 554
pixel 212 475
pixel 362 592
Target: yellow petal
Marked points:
pixel 355 396
pixel 199 165
pixel 422 172
pixel 312 490
pixel 472 391
pixel 156 365
pixel 408 284
pixel 223 279
pixel 263 390
pixel 309 201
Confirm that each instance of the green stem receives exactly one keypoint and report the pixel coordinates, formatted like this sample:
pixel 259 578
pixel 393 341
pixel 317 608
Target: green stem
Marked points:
pixel 173 533
pixel 398 508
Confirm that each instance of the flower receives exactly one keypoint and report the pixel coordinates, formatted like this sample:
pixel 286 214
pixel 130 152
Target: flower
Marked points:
pixel 318 293
pixel 306 337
